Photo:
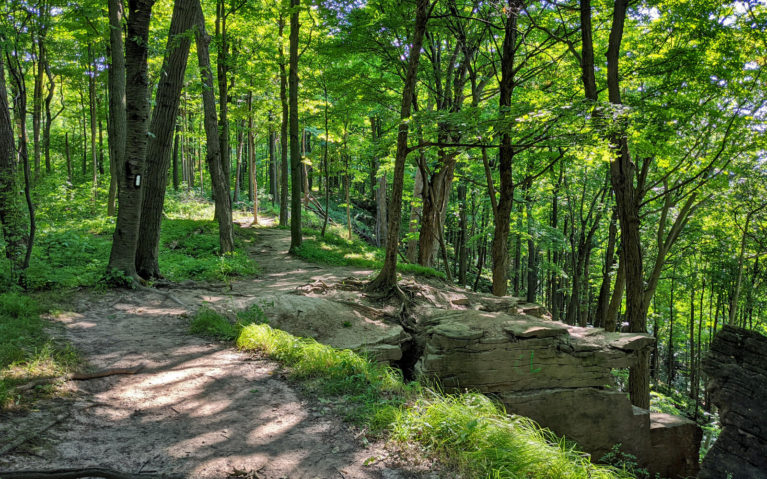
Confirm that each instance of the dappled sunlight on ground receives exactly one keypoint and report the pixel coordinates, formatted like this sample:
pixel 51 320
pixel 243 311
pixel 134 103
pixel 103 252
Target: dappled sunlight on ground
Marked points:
pixel 196 408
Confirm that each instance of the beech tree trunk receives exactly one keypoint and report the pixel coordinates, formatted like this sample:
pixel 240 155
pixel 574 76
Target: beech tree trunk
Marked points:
pixel 130 181
pixel 252 157
pixel 223 213
pixel 387 278
pixel 162 128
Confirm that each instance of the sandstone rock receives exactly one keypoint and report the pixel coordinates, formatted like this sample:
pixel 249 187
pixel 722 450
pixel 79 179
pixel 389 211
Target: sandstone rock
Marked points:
pixel 560 376
pixel 737 371
pixel 335 324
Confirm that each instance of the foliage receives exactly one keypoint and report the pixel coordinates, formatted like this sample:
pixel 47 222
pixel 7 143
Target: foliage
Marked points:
pixel 27 351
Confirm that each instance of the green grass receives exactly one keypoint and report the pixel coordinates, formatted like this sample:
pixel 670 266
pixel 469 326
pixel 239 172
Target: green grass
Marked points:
pixel 338 250
pixel 27 351
pixel 467 432
pixel 74 239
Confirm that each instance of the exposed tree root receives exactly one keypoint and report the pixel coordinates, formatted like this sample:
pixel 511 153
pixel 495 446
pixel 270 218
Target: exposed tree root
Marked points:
pixel 80 377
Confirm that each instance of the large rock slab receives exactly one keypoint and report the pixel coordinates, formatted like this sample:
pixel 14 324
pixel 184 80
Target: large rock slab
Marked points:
pixel 560 376
pixel 737 369
pixel 343 326
pixel 494 352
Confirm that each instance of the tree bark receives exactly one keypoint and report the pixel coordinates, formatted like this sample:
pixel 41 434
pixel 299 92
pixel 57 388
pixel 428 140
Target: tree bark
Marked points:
pixel 130 181
pixel 223 213
pixel 502 217
pixel 387 278
pixel 161 130
pixel 252 157
pixel 295 146
pixel 116 88
pixel 11 216
pixel 283 126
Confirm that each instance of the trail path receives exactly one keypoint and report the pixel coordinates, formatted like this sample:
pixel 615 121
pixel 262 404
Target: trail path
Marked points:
pixel 197 408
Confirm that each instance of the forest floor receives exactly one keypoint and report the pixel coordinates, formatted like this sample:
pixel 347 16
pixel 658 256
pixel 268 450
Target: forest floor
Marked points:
pixel 196 408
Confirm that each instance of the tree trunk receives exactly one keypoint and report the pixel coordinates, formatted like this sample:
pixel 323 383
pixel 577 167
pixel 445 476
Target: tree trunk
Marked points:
pixel 506 155
pixel 116 87
pixel 48 118
pixel 161 130
pixel 295 147
pixel 69 163
pixel 613 310
pixel 603 301
pixel 122 264
pixel 238 163
pixel 670 358
pixel 219 182
pixel 11 216
pixel 436 192
pixel 92 114
pixel 283 127
pixel 222 66
pixel 387 278
pixel 462 235
pixel 415 215
pixel 252 157
pixel 176 141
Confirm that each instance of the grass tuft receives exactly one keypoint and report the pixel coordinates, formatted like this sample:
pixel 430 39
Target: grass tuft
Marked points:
pixel 27 352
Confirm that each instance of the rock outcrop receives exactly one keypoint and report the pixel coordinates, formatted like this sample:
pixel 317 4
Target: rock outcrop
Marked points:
pixel 560 376
pixel 737 369
pixel 344 326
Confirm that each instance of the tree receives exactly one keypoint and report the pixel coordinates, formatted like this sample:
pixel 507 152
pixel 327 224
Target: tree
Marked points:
pixel 161 131
pixel 129 185
pixel 386 280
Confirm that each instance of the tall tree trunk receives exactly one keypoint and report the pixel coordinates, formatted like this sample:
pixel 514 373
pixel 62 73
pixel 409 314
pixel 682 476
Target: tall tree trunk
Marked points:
pixel 380 192
pixel 116 87
pixel 622 170
pixel 176 141
pixel 49 117
pixel 161 129
pixel 69 161
pixel 387 278
pixel 219 181
pixel 462 234
pixel 252 157
pixel 11 215
pixel 603 301
pixel 122 258
pixel 415 213
pixel 616 300
pixel 436 192
pixel 506 155
pixel 222 65
pixel 92 114
pixel 295 147
pixel 325 159
pixel 238 162
pixel 283 127
pixel 671 370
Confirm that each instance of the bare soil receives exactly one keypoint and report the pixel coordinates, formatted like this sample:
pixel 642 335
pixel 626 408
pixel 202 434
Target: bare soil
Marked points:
pixel 197 408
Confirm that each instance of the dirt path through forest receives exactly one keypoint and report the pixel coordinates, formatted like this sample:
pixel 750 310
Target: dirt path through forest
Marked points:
pixel 197 408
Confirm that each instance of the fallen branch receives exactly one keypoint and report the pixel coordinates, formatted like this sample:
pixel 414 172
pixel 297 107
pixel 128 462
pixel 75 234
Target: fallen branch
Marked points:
pixel 80 377
pixel 78 473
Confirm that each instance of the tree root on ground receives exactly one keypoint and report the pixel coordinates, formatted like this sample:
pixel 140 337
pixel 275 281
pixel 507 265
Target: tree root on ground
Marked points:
pixel 80 377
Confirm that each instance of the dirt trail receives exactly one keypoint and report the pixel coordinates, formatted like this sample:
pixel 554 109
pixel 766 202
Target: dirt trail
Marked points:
pixel 197 408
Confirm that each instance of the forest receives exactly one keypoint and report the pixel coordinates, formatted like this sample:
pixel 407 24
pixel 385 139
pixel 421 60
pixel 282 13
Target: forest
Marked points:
pixel 603 159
